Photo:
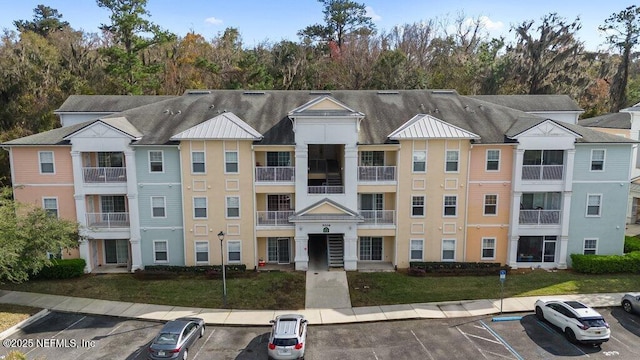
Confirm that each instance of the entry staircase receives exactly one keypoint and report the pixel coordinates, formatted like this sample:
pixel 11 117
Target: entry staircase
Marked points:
pixel 335 250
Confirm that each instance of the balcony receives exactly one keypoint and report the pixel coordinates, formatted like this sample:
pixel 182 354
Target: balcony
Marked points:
pixel 539 217
pixel 104 174
pixel 275 174
pixel 542 172
pixel 378 217
pixel 325 189
pixel 376 173
pixel 116 220
pixel 274 218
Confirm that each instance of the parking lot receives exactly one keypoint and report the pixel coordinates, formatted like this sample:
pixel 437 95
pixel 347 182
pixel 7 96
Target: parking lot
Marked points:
pixel 75 336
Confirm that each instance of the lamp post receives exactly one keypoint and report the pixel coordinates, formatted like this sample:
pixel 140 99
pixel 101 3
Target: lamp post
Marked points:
pixel 224 274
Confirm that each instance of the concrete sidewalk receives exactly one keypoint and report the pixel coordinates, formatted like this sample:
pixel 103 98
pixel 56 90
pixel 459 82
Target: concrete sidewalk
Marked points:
pixel 315 316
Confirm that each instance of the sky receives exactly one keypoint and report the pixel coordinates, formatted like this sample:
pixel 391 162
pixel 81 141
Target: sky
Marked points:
pixel 274 20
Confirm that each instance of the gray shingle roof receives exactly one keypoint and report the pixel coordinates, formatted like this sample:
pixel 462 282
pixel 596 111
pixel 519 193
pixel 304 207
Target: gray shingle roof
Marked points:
pixel 533 103
pixel 621 120
pixel 107 103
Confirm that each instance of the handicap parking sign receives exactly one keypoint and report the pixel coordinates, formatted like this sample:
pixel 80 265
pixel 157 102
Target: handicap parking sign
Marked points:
pixel 503 275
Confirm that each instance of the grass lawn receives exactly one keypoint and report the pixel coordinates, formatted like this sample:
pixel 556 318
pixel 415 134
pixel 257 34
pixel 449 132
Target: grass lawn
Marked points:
pixel 13 314
pixel 285 290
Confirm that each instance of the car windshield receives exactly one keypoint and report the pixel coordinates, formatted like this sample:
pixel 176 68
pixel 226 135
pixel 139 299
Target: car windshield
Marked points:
pixel 167 339
pixel 285 342
pixel 594 322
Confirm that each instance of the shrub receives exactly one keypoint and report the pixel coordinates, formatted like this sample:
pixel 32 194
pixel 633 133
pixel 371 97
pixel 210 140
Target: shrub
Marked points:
pixel 61 269
pixel 210 271
pixel 421 268
pixel 606 264
pixel 631 244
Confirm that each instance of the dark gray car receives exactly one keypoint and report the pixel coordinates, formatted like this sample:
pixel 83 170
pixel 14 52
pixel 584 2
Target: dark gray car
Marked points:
pixel 631 302
pixel 175 339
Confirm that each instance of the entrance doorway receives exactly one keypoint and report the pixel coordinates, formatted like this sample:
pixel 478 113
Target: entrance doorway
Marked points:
pixel 116 251
pixel 317 250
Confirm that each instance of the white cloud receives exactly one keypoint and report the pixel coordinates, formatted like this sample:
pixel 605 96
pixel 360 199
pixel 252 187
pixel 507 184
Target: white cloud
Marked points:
pixel 213 21
pixel 372 14
pixel 490 24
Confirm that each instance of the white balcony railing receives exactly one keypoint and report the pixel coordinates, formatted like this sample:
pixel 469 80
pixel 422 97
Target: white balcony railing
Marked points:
pixel 275 174
pixel 542 172
pixel 108 220
pixel 274 218
pixel 376 173
pixel 539 217
pixel 104 174
pixel 378 217
pixel 325 189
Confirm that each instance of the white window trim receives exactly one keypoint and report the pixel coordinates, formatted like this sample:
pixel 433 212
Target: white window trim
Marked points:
pixel 445 161
pixel 155 261
pixel 424 207
pixel 149 161
pixel 57 204
pixel 443 206
pixel 586 210
pixel 486 157
pixel 240 251
pixel 482 248
pixel 484 204
pixel 422 242
pixel 604 157
pixel 205 162
pixel 237 161
pixel 164 205
pixel 412 162
pixel 226 209
pixel 584 243
pixel 53 161
pixel 193 206
pixel 454 250
pixel 195 253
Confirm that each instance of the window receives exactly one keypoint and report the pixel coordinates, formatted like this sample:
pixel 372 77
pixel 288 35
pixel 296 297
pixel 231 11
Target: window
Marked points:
pixel 597 159
pixel 50 205
pixel 537 248
pixel 200 207
pixel 450 202
pixel 543 165
pixel 160 251
pixel 370 248
pixel 197 162
pixel 419 161
pixel 158 207
pixel 493 160
pixel 156 161
pixel 417 246
pixel 233 207
pixel 417 206
pixel 452 161
pixel 371 201
pixel 491 204
pixel 278 158
pixel 590 246
pixel 202 252
pixel 448 249
pixel 488 248
pixel 233 251
pixel 231 161
pixel 46 162
pixel 593 205
pixel 110 159
pixel 372 158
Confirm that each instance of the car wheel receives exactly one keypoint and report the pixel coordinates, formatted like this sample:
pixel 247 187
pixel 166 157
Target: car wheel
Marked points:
pixel 202 331
pixel 626 306
pixel 571 336
pixel 185 354
pixel 539 313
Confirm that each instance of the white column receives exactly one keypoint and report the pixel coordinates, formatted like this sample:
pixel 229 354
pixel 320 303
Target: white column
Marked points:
pixel 513 251
pixel 301 170
pixel 85 254
pixel 568 170
pixel 351 176
pixel 514 230
pixel 350 252
pixel 517 169
pixel 302 254
pixel 134 213
pixel 81 208
pixel 564 230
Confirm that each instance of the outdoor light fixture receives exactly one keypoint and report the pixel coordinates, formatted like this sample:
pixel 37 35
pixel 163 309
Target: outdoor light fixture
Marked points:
pixel 224 274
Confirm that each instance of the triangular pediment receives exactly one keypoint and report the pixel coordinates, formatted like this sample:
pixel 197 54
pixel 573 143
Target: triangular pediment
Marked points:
pixel 226 126
pixel 118 127
pixel 326 209
pixel 547 128
pixel 324 106
pixel 424 126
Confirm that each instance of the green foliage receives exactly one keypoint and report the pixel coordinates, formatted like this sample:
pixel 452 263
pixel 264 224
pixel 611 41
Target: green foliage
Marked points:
pixel 196 269
pixel 631 244
pixel 418 268
pixel 606 264
pixel 341 17
pixel 15 355
pixel 61 269
pixel 45 21
pixel 26 235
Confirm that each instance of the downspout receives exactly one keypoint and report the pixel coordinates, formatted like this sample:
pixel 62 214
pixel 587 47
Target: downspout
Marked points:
pixel 466 208
pixel 255 208
pixel 184 221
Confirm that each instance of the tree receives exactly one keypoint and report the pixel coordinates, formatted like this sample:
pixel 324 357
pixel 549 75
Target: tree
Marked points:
pixel 341 17
pixel 26 235
pixel 132 73
pixel 45 21
pixel 623 29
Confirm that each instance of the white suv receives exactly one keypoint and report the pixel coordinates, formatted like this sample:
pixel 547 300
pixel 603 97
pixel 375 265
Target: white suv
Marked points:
pixel 288 337
pixel 579 322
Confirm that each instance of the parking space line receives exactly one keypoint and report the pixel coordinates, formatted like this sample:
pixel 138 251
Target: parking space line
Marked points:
pixel 484 338
pixel 503 341
pixel 546 327
pixel 114 329
pixel 59 332
pixel 421 344
pixel 203 344
pixel 374 354
pixel 472 342
pixel 627 346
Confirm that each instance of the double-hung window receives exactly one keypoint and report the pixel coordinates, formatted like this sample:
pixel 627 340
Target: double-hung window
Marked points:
pixel 200 207
pixel 452 158
pixel 197 162
pixel 50 205
pixel 490 204
pixel 450 205
pixel 231 162
pixel 420 161
pixel 488 248
pixel 46 162
pixel 597 159
pixel 417 206
pixel 594 202
pixel 156 161
pixel 202 252
pixel 160 251
pixel 493 160
pixel 233 207
pixel 590 246
pixel 448 249
pixel 158 209
pixel 233 251
pixel 417 250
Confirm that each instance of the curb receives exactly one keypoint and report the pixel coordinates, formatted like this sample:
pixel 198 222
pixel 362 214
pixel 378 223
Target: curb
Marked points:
pixel 10 331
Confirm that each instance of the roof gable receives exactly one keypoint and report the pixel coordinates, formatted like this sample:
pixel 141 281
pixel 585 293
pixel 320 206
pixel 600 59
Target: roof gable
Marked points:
pixel 423 126
pixel 226 126
pixel 546 128
pixel 324 105
pixel 326 209
pixel 105 128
